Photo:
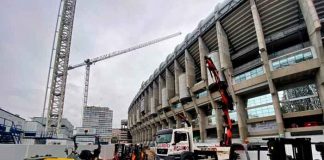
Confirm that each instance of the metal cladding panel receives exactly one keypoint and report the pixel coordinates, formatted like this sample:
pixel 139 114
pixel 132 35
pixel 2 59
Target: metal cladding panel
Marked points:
pixel 152 105
pixel 164 98
pixel 183 90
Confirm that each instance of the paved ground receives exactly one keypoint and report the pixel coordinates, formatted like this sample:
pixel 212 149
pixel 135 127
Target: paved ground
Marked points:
pixel 21 151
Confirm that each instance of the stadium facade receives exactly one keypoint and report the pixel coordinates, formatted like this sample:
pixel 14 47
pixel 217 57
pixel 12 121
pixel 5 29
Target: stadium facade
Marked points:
pixel 271 55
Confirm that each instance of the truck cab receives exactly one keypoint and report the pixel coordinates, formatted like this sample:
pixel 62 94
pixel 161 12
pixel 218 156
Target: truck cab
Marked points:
pixel 179 144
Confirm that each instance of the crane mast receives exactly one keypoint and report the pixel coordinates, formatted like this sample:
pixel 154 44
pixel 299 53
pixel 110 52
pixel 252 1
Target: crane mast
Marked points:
pixel 89 62
pixel 60 68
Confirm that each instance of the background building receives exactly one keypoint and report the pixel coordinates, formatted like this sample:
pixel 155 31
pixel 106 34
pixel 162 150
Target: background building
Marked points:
pixel 11 127
pixel 66 127
pixel 122 134
pixel 270 54
pixel 125 135
pixel 7 118
pixel 99 118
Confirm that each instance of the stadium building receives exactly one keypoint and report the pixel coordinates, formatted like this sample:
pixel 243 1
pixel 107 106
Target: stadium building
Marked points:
pixel 271 55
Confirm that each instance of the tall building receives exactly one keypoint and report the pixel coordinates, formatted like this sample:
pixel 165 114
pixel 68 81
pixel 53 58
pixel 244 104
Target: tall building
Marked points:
pixel 99 118
pixel 271 55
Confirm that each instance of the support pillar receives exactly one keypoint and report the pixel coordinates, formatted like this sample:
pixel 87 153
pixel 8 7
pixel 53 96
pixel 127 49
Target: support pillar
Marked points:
pixel 178 121
pixel 202 125
pixel 264 58
pixel 224 64
pixel 164 125
pixel 161 86
pixel 203 51
pixel 190 69
pixel 201 117
pixel 155 96
pixel 153 126
pixel 177 71
pixel 169 80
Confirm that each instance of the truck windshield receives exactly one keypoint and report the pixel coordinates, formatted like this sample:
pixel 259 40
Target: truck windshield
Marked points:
pixel 164 138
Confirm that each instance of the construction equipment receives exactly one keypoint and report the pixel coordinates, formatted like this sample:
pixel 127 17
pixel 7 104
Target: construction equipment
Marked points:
pixel 226 100
pixel 89 62
pixel 62 40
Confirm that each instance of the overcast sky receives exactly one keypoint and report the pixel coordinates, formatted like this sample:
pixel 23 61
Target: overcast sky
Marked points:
pixel 100 26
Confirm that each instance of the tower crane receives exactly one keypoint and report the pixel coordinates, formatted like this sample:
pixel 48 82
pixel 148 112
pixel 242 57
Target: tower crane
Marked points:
pixel 58 68
pixel 89 62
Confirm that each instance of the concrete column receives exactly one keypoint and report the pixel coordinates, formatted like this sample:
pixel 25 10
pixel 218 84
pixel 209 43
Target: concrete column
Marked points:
pixel 149 135
pixel 177 71
pixel 170 123
pixel 202 124
pixel 164 125
pixel 203 51
pixel 264 59
pixel 146 101
pixel 132 134
pixel 218 116
pixel 188 116
pixel 150 100
pixel 155 95
pixel 169 80
pixel 190 69
pixel 142 134
pixel 161 86
pixel 178 121
pixel 137 136
pixel 159 126
pixel 153 131
pixel 241 117
pixel 225 64
pixel 313 25
pixel 201 117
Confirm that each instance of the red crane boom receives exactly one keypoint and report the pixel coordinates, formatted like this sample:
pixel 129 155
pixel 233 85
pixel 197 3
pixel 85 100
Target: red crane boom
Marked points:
pixel 226 101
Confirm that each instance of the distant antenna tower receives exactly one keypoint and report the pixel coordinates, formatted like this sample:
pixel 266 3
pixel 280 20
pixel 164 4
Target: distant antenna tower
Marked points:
pixel 62 41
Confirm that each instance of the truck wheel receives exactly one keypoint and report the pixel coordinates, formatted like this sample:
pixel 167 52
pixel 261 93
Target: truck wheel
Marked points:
pixel 187 156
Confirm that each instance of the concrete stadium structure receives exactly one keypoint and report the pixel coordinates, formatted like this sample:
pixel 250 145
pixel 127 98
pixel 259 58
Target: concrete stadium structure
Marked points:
pixel 271 55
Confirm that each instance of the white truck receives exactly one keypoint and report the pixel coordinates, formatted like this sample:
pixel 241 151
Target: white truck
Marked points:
pixel 179 144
